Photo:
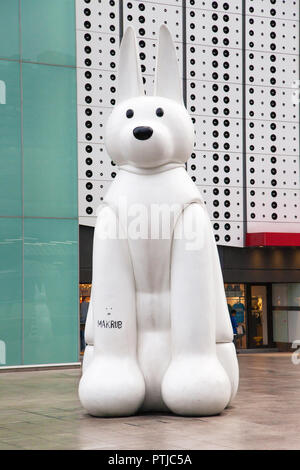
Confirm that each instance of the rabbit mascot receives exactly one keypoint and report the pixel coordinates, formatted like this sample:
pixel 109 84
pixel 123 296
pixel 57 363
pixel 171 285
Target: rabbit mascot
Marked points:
pixel 158 332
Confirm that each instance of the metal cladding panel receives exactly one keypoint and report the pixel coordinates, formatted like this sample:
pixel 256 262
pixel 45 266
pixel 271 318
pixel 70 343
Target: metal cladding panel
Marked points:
pixel 98 39
pixel 272 116
pixel 240 68
pixel 214 99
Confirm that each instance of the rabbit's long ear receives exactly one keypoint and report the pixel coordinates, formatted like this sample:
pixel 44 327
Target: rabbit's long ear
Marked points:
pixel 130 83
pixel 167 77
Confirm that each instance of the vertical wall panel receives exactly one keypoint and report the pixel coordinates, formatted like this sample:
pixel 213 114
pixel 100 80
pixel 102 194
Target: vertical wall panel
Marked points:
pixel 97 35
pixel 214 99
pixel 47 31
pixel 10 144
pixel 50 291
pixel 11 290
pixel 272 116
pixel 9 30
pixel 49 140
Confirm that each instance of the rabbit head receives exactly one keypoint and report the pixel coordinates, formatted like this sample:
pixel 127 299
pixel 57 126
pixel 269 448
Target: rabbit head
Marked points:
pixel 149 131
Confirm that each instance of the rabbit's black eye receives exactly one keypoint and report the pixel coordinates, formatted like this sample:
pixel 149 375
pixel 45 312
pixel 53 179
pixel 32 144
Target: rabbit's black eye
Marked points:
pixel 129 113
pixel 159 112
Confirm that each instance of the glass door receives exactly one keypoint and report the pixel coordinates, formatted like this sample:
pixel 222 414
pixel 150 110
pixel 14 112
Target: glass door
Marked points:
pixel 236 303
pixel 85 296
pixel 258 317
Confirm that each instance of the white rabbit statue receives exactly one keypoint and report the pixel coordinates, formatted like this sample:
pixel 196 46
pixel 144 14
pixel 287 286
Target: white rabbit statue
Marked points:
pixel 158 331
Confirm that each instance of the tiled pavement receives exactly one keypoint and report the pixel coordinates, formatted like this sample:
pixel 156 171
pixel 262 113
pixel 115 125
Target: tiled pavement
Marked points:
pixel 41 410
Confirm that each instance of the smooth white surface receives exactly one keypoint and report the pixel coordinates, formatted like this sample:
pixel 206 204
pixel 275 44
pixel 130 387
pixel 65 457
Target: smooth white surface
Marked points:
pixel 195 382
pixel 129 68
pixel 87 357
pixel 227 356
pixel 158 305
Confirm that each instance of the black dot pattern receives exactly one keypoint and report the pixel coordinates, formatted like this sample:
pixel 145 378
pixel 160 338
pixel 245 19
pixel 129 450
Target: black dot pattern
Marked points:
pixel 214 99
pixel 98 40
pixel 272 112
pixel 214 91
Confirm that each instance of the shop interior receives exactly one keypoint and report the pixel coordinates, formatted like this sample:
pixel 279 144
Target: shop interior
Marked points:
pixel 84 298
pixel 250 305
pixel 247 302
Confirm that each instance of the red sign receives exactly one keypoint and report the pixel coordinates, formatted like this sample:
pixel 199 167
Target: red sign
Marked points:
pixel 272 239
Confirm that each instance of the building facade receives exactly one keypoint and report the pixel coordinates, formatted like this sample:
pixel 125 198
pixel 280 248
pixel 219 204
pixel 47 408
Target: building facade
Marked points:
pixel 38 189
pixel 240 71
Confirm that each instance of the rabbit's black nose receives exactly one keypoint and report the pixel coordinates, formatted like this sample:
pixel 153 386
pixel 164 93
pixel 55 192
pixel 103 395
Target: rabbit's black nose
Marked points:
pixel 142 133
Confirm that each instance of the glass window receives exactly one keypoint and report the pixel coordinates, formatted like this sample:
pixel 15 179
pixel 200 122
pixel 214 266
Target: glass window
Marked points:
pixel 50 147
pixel 294 325
pixel 9 30
pixel 50 291
pixel 258 317
pixel 286 295
pixel 10 142
pixel 39 312
pixel 286 312
pixel 48 31
pixel 10 291
pixel 280 326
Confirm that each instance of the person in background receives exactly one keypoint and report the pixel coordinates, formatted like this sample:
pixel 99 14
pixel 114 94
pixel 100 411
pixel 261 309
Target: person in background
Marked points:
pixel 234 324
pixel 83 314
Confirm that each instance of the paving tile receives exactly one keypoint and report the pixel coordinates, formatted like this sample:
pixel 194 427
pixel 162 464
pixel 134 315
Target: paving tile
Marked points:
pixel 9 446
pixel 41 410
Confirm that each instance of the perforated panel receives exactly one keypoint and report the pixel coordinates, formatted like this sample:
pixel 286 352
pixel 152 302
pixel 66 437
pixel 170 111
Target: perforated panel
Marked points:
pixel 272 116
pixel 98 37
pixel 241 87
pixel 98 41
pixel 146 18
pixel 214 99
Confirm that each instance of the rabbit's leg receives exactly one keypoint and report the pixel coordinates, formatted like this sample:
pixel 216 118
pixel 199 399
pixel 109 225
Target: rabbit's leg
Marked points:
pixel 195 382
pixel 112 384
pixel 224 335
pixel 88 337
pixel 227 356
